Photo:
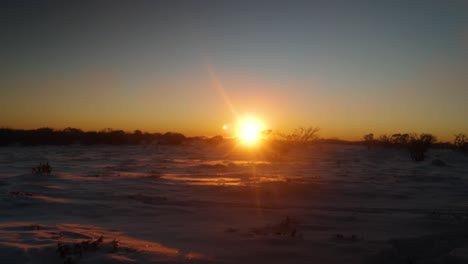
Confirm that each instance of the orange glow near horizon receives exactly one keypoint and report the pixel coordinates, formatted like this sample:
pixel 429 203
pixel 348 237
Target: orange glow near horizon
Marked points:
pixel 220 100
pixel 249 130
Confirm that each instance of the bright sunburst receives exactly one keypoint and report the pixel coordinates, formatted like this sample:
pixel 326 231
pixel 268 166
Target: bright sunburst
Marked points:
pixel 249 130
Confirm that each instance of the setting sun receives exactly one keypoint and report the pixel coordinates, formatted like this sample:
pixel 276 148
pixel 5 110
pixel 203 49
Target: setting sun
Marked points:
pixel 249 130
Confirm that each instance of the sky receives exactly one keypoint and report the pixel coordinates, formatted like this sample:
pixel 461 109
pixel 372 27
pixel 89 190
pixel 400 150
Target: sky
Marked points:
pixel 348 67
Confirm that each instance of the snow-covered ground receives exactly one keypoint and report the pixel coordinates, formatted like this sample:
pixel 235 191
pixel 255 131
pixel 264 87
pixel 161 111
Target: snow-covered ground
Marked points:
pixel 199 203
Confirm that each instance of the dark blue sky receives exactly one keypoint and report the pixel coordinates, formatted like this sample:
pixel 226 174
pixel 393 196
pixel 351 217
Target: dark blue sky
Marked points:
pixel 348 66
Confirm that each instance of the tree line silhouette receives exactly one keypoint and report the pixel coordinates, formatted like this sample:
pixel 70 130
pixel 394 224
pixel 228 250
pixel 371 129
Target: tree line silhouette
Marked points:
pixel 70 136
pixel 416 144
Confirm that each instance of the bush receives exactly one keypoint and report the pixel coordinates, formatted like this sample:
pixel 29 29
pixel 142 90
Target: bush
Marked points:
pixel 301 136
pixel 461 143
pixel 419 144
pixel 400 140
pixel 279 144
pixel 369 140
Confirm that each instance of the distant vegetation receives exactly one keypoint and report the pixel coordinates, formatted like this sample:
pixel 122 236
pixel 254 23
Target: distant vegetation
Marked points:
pixel 416 144
pixel 279 144
pixel 301 136
pixel 69 136
pixel 461 143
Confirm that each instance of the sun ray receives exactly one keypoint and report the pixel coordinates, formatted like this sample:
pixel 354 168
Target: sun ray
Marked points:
pixel 218 85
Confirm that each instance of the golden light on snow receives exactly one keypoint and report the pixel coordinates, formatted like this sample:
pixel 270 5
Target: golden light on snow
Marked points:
pixel 249 130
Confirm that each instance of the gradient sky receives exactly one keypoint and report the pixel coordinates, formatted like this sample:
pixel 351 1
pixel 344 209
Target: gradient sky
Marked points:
pixel 349 67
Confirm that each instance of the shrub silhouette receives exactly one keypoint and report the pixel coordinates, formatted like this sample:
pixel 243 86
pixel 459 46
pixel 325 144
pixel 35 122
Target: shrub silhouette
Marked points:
pixel 461 142
pixel 416 144
pixel 419 144
pixel 385 140
pixel 301 136
pixel 369 140
pixel 279 144
pixel 400 140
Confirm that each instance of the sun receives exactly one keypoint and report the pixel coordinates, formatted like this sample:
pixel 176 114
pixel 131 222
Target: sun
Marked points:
pixel 249 130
